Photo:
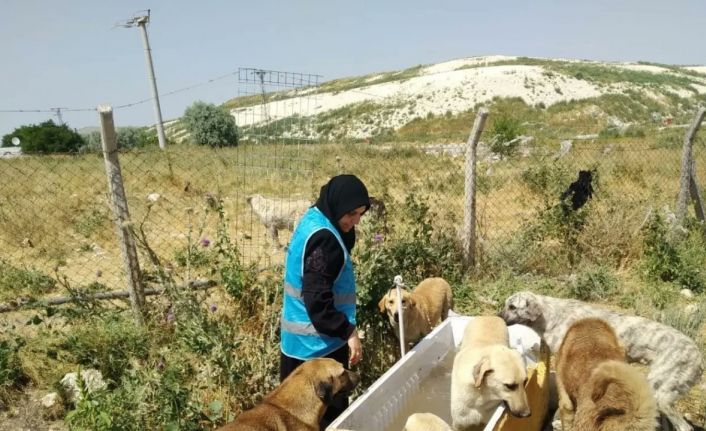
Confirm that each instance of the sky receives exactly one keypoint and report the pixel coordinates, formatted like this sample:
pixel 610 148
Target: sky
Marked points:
pixel 69 54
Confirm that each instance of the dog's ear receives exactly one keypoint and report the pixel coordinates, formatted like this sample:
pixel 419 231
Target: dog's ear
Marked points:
pixel 600 387
pixel 533 308
pixel 381 304
pixel 324 390
pixel 481 370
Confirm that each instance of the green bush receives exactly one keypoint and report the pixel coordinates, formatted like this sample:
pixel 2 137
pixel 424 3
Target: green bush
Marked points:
pixel 45 138
pixel 504 131
pixel 417 253
pixel 127 138
pixel 107 344
pixel 21 281
pixel 672 259
pixel 152 397
pixel 210 125
pixel 595 284
pixel 12 375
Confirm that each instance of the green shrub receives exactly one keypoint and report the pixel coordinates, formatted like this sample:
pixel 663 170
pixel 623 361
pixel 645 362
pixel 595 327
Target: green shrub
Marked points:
pixel 503 132
pixel 45 138
pixel 595 284
pixel 91 221
pixel 12 376
pixel 419 252
pixel 153 397
pixel 192 255
pixel 546 179
pixel 671 259
pixel 19 281
pixel 107 344
pixel 210 125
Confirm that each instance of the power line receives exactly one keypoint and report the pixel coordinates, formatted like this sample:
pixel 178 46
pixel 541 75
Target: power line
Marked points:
pixel 126 105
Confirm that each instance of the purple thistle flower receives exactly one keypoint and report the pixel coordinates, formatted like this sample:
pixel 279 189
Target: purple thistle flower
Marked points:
pixel 213 308
pixel 170 317
pixel 205 242
pixel 378 237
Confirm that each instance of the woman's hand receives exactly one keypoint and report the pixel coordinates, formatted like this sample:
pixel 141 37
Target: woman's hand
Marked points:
pixel 355 347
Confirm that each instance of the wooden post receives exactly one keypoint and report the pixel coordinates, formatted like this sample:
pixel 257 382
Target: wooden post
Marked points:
pixel 469 209
pixel 687 165
pixel 121 213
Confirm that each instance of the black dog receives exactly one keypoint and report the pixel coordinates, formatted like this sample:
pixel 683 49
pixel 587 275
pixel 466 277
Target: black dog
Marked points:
pixel 580 191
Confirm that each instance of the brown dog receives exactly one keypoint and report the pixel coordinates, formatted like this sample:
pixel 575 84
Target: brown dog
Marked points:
pixel 300 401
pixel 423 308
pixel 598 390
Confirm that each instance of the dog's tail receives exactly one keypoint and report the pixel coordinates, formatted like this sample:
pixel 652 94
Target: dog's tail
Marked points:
pixel 619 399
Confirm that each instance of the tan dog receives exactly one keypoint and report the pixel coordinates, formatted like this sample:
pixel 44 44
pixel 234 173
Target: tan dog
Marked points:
pixel 426 422
pixel 423 308
pixel 598 390
pixel 299 403
pixel 486 372
pixel 485 331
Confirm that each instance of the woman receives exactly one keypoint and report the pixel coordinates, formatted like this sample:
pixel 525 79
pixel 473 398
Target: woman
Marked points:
pixel 318 313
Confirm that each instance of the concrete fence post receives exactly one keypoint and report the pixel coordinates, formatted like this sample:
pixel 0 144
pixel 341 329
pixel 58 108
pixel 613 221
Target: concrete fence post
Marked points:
pixel 469 208
pixel 687 179
pixel 120 212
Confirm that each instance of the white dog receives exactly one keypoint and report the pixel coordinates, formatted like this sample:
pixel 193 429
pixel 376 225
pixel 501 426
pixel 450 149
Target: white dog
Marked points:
pixel 486 372
pixel 675 361
pixel 277 213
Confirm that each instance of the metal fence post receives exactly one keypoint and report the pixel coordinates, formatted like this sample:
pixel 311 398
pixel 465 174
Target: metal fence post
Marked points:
pixel 120 211
pixel 469 208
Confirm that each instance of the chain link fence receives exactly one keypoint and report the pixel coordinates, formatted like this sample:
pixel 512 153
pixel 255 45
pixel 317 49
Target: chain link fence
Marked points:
pixel 55 214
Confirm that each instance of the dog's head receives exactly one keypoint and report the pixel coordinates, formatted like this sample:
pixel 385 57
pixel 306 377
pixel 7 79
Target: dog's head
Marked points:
pixel 425 422
pixel 523 308
pixel 328 378
pixel 585 178
pixel 388 304
pixel 500 374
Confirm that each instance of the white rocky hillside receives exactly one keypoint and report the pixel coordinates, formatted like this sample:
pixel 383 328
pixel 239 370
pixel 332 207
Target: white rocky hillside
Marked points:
pixel 365 106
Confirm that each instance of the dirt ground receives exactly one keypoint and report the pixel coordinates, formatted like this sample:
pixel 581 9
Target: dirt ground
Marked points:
pixel 25 415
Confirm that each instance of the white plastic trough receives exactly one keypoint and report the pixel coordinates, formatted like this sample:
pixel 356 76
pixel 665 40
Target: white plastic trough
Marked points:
pixel 382 405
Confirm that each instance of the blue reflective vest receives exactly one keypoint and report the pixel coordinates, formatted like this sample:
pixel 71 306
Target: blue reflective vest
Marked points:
pixel 300 340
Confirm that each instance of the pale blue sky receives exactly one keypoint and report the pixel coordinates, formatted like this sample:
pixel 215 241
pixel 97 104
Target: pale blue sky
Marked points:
pixel 66 53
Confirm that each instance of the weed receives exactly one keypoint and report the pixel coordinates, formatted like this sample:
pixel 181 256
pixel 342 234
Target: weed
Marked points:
pixel 594 285
pixel 12 375
pixel 16 282
pixel 668 259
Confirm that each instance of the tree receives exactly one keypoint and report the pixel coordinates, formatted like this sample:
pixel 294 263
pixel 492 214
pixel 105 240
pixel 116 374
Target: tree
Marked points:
pixel 209 124
pixel 127 138
pixel 45 138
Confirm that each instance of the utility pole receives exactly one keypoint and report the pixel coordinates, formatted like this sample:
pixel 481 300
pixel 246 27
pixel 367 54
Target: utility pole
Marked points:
pixel 141 21
pixel 57 111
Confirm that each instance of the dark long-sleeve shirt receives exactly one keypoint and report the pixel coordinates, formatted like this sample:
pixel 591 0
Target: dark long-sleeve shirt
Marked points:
pixel 323 261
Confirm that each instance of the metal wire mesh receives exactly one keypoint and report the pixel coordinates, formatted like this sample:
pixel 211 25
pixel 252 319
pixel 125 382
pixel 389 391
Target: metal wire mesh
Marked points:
pixel 55 212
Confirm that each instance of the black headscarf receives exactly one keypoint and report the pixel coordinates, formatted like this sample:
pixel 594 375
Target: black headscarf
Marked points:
pixel 342 194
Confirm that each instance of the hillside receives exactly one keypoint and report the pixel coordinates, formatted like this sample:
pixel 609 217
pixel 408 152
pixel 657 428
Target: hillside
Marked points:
pixel 382 104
